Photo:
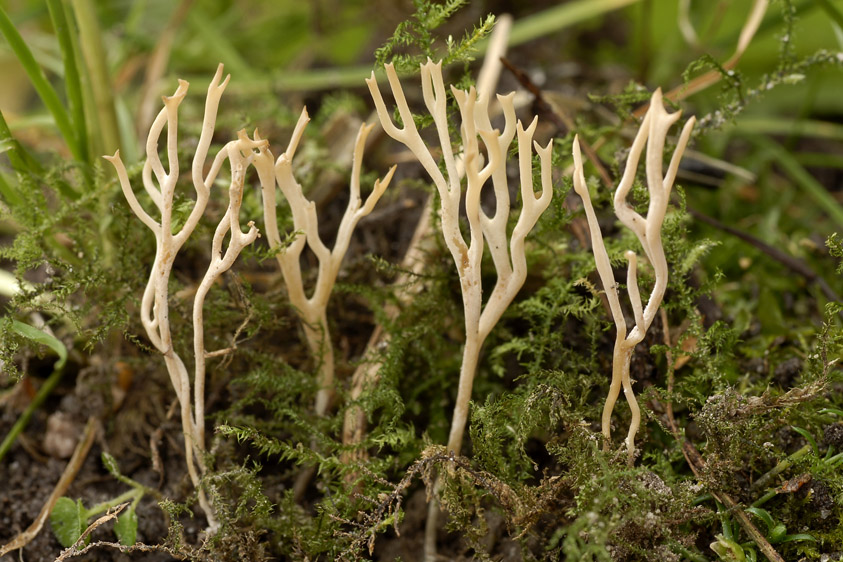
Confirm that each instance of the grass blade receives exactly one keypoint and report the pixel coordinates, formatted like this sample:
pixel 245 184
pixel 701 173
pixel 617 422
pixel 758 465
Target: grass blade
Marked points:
pixel 9 194
pixel 748 124
pixel 560 17
pixel 814 189
pixel 43 338
pixel 809 438
pixel 22 162
pixel 95 58
pixel 217 43
pixel 25 164
pixel 72 80
pixel 832 11
pixel 39 82
pixel 548 21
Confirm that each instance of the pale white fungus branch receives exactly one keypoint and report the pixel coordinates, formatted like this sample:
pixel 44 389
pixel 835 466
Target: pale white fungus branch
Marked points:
pixel 652 134
pixel 160 185
pixel 366 374
pixel 313 309
pixel 240 154
pixel 507 255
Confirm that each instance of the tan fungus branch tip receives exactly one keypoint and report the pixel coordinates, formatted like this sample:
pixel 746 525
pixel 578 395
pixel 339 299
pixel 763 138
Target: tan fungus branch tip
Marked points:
pixel 313 309
pixel 652 134
pixel 508 254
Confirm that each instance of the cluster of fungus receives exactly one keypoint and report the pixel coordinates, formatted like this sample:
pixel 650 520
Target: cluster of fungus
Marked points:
pixel 468 168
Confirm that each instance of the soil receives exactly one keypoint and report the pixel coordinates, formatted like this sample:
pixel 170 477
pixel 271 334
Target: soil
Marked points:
pixel 30 474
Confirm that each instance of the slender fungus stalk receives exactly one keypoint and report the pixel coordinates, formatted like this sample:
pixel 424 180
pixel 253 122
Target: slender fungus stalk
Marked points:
pixel 312 309
pixel 240 155
pixel 508 255
pixel 413 262
pixel 652 133
pixel 154 305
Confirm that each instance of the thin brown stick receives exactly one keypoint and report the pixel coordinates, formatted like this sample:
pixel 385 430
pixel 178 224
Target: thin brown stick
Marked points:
pixel 700 83
pixel 366 374
pixel 696 462
pixel 753 532
pixel 562 121
pixel 137 547
pixel 67 477
pixel 671 421
pixel 110 515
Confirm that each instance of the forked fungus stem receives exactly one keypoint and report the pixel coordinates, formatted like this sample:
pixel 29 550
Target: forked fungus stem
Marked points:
pixel 160 185
pixel 652 134
pixel 508 253
pixel 312 309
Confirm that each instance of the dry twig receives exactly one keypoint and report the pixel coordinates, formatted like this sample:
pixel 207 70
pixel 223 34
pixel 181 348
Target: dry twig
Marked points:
pixel 67 477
